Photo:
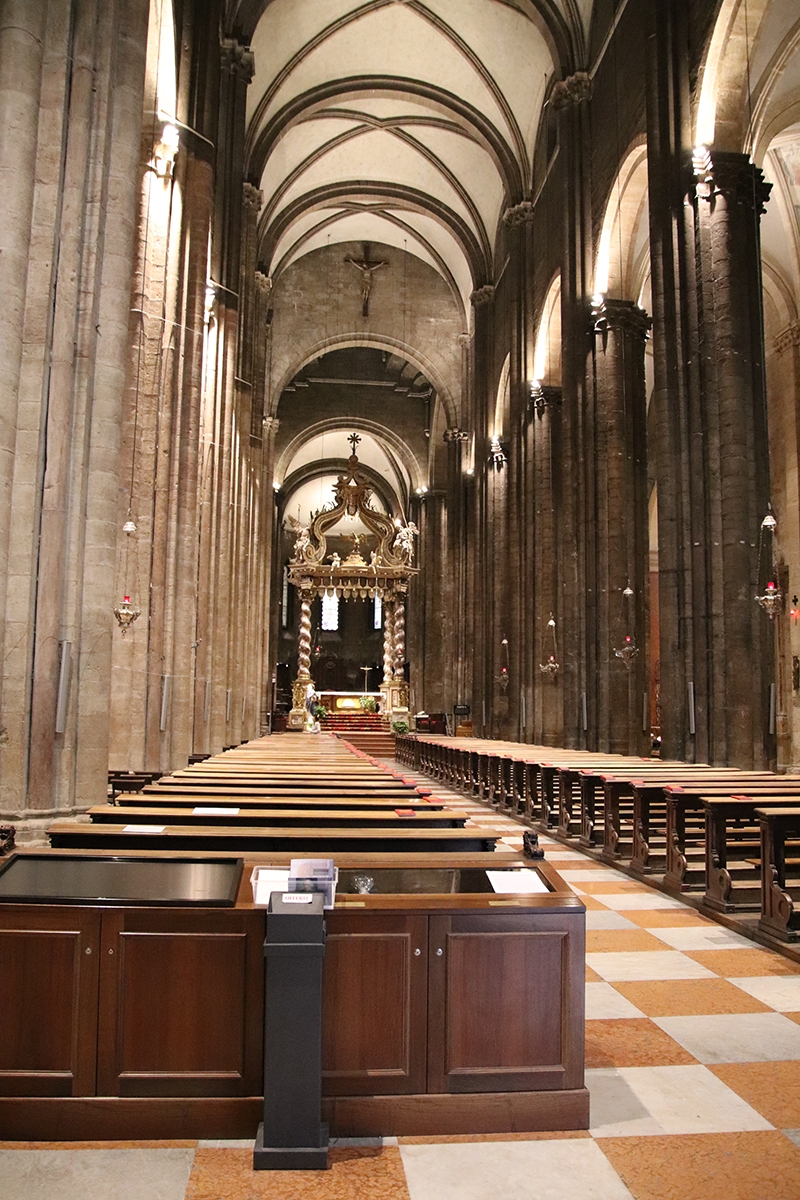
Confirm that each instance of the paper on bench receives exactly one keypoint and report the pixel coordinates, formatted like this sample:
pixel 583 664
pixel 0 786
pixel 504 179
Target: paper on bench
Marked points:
pixel 225 811
pixel 268 880
pixel 523 881
pixel 143 828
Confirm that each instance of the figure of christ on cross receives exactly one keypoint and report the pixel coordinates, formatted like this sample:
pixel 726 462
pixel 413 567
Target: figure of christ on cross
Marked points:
pixel 367 269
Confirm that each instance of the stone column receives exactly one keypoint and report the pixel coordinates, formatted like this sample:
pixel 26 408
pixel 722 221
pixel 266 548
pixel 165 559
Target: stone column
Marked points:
pixel 620 541
pixel 478 582
pixel 730 195
pixel 570 100
pixel 546 438
pixel 22 27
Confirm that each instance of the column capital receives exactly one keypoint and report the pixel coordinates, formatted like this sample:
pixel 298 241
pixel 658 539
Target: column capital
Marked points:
pixel 271 424
pixel 464 339
pixel 456 435
pixel 252 197
pixel 263 282
pixel 732 175
pixel 788 337
pixel 519 214
pixel 237 59
pixel 572 90
pixel 621 314
pixel 483 295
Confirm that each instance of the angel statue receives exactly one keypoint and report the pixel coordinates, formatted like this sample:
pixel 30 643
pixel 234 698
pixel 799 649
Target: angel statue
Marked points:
pixel 336 562
pixel 302 543
pixel 404 541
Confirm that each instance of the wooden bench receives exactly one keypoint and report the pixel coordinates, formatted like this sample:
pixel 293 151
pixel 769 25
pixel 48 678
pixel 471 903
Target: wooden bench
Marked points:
pixel 687 827
pixel 780 874
pixel 733 848
pixel 302 842
pixel 322 818
pixel 253 798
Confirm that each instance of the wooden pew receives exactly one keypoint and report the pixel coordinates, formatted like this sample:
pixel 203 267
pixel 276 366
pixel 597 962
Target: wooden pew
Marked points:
pixel 321 818
pixel 780 874
pixel 253 798
pixel 615 822
pixel 302 842
pixel 733 848
pixel 686 828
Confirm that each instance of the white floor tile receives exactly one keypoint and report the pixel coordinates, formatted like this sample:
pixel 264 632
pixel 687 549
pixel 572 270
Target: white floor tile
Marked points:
pixel 638 901
pixel 605 1003
pixel 781 992
pixel 735 1037
pixel 633 1101
pixel 597 918
pixel 646 964
pixel 99 1174
pixel 541 1170
pixel 702 937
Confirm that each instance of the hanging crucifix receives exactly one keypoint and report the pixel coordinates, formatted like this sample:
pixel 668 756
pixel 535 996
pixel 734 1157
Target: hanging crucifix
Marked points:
pixel 366 269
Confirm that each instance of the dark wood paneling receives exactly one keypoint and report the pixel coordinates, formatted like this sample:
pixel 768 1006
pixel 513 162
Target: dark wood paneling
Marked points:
pixel 48 1000
pixel 501 1009
pixel 180 1003
pixel 374 1007
pixel 107 1118
pixel 487 1112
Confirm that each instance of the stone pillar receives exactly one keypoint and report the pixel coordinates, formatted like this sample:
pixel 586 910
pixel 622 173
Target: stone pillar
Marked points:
pixel 730 196
pixel 546 454
pixel 22 27
pixel 478 582
pixel 297 717
pixel 570 100
pixel 620 534
pixel 675 402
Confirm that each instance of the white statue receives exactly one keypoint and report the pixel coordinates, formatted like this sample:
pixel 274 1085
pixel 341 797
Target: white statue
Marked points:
pixel 404 541
pixel 302 543
pixel 336 562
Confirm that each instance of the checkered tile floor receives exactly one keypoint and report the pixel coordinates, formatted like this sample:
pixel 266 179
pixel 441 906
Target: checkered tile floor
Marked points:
pixel 692 1062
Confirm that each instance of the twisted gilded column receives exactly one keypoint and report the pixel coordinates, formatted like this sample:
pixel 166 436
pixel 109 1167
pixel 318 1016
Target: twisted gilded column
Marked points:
pixel 297 717
pixel 388 642
pixel 399 636
pixel 304 646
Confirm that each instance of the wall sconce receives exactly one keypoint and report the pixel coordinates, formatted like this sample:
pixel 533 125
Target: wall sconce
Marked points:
pixel 497 454
pixel 165 151
pixel 502 676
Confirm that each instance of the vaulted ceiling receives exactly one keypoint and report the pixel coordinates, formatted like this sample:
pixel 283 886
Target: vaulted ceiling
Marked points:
pixel 410 123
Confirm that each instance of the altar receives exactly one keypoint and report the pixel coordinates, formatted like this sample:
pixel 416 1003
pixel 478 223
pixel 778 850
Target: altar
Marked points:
pixel 389 543
pixel 349 702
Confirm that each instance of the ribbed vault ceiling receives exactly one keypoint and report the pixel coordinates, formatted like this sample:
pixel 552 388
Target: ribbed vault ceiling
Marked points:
pixel 406 122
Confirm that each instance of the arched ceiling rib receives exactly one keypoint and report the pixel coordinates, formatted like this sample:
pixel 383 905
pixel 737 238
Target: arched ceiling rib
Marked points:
pixel 417 117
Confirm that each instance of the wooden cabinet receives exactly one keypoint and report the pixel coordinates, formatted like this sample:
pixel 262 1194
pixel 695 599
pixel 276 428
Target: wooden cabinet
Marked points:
pixel 505 1004
pixel 130 1002
pixel 440 1015
pixel 375 1004
pixel 49 963
pixel 470 1002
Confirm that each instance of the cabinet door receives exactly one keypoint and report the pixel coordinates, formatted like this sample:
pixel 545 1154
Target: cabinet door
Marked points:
pixel 505 1003
pixel 374 1004
pixel 181 1003
pixel 48 1000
